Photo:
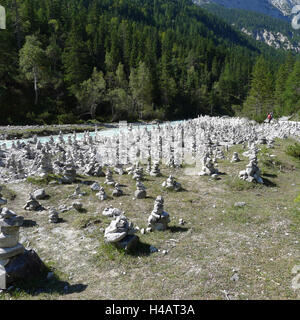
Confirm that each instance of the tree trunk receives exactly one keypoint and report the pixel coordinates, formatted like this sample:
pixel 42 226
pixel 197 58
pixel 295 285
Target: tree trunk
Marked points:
pixel 17 25
pixel 93 111
pixel 35 86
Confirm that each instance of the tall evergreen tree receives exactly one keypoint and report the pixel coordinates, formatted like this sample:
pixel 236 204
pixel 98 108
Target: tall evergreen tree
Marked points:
pixel 260 99
pixel 292 91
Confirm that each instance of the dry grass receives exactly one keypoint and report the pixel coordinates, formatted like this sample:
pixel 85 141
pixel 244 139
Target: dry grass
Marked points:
pixel 258 241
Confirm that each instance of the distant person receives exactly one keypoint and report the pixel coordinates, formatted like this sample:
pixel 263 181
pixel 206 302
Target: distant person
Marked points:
pixel 269 117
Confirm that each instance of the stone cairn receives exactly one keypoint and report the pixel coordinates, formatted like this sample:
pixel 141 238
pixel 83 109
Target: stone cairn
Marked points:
pixel 32 204
pixel 112 212
pixel 117 192
pixel 235 157
pixel 155 171
pixel 44 164
pixel 2 200
pixel 252 172
pixel 138 174
pixel 39 194
pixel 95 186
pixel 101 195
pixel 171 184
pixel 69 172
pixel 53 216
pixel 119 169
pixel 208 168
pixel 158 219
pixel 120 232
pixel 94 169
pixel 78 192
pixel 140 193
pixel 148 169
pixel 77 205
pixel 109 178
pixel 10 247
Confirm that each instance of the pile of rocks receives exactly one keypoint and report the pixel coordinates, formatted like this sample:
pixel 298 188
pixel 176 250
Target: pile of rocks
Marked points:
pixel 39 194
pixel 16 263
pixel 158 219
pixel 69 172
pixel 9 240
pixel 171 184
pixel 95 186
pixel 235 157
pixel 252 172
pixel 208 168
pixel 101 195
pixel 119 169
pixel 120 232
pixel 117 192
pixel 155 171
pixel 109 178
pixel 32 204
pixel 140 193
pixel 53 216
pixel 138 174
pixel 112 212
pixel 2 200
pixel 78 192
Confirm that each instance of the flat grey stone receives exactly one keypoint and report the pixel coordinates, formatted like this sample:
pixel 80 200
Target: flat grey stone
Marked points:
pixel 240 204
pixel 11 252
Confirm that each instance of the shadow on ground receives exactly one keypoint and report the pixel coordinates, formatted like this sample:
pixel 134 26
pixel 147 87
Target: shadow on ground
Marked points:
pixel 269 183
pixel 27 223
pixel 48 282
pixel 141 249
pixel 174 229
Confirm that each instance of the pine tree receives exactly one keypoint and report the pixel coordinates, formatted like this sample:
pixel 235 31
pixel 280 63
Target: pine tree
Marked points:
pixel 292 92
pixel 75 61
pixel 280 85
pixel 141 89
pixel 260 99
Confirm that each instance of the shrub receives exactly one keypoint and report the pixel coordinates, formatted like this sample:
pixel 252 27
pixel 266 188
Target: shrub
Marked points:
pixel 66 118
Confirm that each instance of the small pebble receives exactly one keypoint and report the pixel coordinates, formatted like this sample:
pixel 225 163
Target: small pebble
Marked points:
pixel 235 277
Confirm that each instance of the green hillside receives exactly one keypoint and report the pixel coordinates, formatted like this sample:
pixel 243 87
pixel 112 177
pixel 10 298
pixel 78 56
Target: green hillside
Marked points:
pixel 70 60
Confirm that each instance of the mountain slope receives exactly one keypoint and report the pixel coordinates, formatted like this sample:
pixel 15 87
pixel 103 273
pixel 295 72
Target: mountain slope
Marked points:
pixel 274 8
pixel 274 32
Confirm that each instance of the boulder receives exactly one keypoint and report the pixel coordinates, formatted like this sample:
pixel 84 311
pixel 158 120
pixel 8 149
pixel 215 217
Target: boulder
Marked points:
pixel 39 194
pixel 26 265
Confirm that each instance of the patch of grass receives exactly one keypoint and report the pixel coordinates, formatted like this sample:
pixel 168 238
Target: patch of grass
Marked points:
pixel 237 184
pixel 236 215
pixel 295 217
pixel 109 252
pixel 84 221
pixel 8 193
pixel 293 150
pixel 43 181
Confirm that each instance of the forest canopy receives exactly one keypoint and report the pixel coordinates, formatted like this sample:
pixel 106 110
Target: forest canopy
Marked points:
pixel 64 61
